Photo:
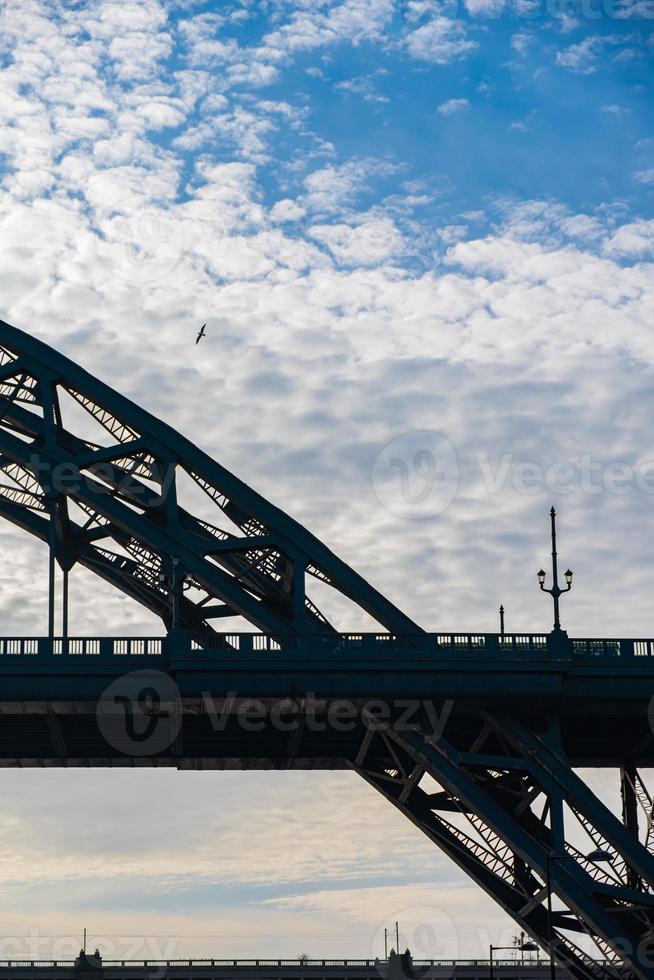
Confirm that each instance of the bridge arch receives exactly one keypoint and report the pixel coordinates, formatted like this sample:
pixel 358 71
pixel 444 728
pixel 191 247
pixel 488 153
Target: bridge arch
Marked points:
pixel 111 503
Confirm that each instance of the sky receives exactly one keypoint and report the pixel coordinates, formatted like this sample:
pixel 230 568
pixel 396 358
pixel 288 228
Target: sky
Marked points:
pixel 421 234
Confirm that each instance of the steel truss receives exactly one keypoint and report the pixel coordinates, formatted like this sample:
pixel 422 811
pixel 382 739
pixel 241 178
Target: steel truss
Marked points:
pixel 510 810
pixel 507 811
pixel 112 506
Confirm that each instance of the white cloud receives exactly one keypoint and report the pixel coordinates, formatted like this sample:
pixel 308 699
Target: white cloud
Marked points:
pixel 286 210
pixel 615 110
pixel 437 922
pixel 352 21
pixel 645 176
pixel 453 106
pixel 485 8
pixel 584 57
pixel 364 87
pixel 632 240
pixel 337 186
pixel 325 343
pixel 135 35
pixel 584 227
pixel 453 233
pixel 521 42
pixel 441 40
pixel 241 129
pixel 372 241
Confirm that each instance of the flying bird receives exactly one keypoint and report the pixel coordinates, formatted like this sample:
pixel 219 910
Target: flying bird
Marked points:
pixel 201 334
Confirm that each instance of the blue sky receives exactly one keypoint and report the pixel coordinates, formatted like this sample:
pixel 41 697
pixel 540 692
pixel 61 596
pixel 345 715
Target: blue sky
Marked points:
pixel 412 227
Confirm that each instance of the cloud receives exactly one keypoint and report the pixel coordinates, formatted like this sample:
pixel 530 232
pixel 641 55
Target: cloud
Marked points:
pixel 440 40
pixel 583 226
pixel 583 58
pixel 372 241
pixel 453 106
pixel 364 87
pixel 644 176
pixel 151 181
pixel 352 21
pixel 521 42
pixel 435 922
pixel 485 8
pixel 338 186
pixel 615 110
pixel 632 240
pixel 286 210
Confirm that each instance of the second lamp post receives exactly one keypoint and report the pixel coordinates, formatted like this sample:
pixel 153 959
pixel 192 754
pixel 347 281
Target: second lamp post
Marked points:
pixel 555 591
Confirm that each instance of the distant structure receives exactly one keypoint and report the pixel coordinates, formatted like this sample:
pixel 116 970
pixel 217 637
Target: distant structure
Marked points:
pixel 88 962
pixel 397 967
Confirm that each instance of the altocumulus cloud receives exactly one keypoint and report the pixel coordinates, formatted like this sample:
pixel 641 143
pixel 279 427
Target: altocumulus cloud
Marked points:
pixel 152 181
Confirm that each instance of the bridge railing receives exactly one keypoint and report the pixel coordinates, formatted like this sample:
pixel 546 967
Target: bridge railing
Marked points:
pixel 195 962
pixel 375 646
pixel 82 646
pixel 430 645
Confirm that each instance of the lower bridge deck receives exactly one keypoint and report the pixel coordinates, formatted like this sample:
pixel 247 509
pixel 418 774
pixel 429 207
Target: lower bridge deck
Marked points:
pixel 503 969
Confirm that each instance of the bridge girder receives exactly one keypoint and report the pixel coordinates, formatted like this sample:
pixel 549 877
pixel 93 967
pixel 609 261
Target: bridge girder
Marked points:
pixel 523 804
pixel 115 509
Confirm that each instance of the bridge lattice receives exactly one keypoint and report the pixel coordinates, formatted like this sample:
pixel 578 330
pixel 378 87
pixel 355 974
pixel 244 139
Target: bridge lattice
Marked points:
pixel 494 785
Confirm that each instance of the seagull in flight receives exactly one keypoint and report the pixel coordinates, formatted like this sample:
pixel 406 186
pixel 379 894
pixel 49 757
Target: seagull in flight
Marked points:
pixel 201 334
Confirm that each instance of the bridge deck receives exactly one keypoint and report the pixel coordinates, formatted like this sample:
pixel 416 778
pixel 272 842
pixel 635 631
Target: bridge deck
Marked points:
pixel 503 969
pixel 256 701
pixel 430 646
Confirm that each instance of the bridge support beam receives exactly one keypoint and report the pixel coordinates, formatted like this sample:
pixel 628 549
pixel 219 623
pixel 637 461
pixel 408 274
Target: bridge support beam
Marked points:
pixel 64 604
pixel 628 777
pixel 509 808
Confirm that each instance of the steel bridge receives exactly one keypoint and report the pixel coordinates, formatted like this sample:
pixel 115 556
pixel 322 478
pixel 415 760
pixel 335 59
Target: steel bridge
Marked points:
pixel 262 969
pixel 477 739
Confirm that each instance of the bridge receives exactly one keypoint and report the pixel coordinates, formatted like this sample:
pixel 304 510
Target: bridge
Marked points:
pixel 262 969
pixel 476 739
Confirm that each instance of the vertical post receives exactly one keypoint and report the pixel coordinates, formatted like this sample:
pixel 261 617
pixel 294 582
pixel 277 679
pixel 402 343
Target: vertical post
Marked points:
pixel 64 602
pixel 385 944
pixel 628 777
pixel 51 573
pixel 299 587
pixel 491 973
pixel 176 589
pixel 550 930
pixel 397 938
pixel 555 573
pixel 502 621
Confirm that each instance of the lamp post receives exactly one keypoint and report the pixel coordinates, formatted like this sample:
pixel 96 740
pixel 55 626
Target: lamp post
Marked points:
pixel 521 947
pixel 555 591
pixel 502 621
pixel 598 855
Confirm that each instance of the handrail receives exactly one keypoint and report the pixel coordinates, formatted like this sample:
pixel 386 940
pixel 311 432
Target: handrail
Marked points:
pixel 206 962
pixel 355 645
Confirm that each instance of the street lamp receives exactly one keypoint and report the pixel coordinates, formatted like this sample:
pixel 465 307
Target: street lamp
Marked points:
pixel 555 591
pixel 520 947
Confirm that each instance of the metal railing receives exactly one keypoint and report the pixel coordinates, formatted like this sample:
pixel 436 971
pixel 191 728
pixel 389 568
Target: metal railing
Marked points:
pixel 81 646
pixel 195 962
pixel 422 647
